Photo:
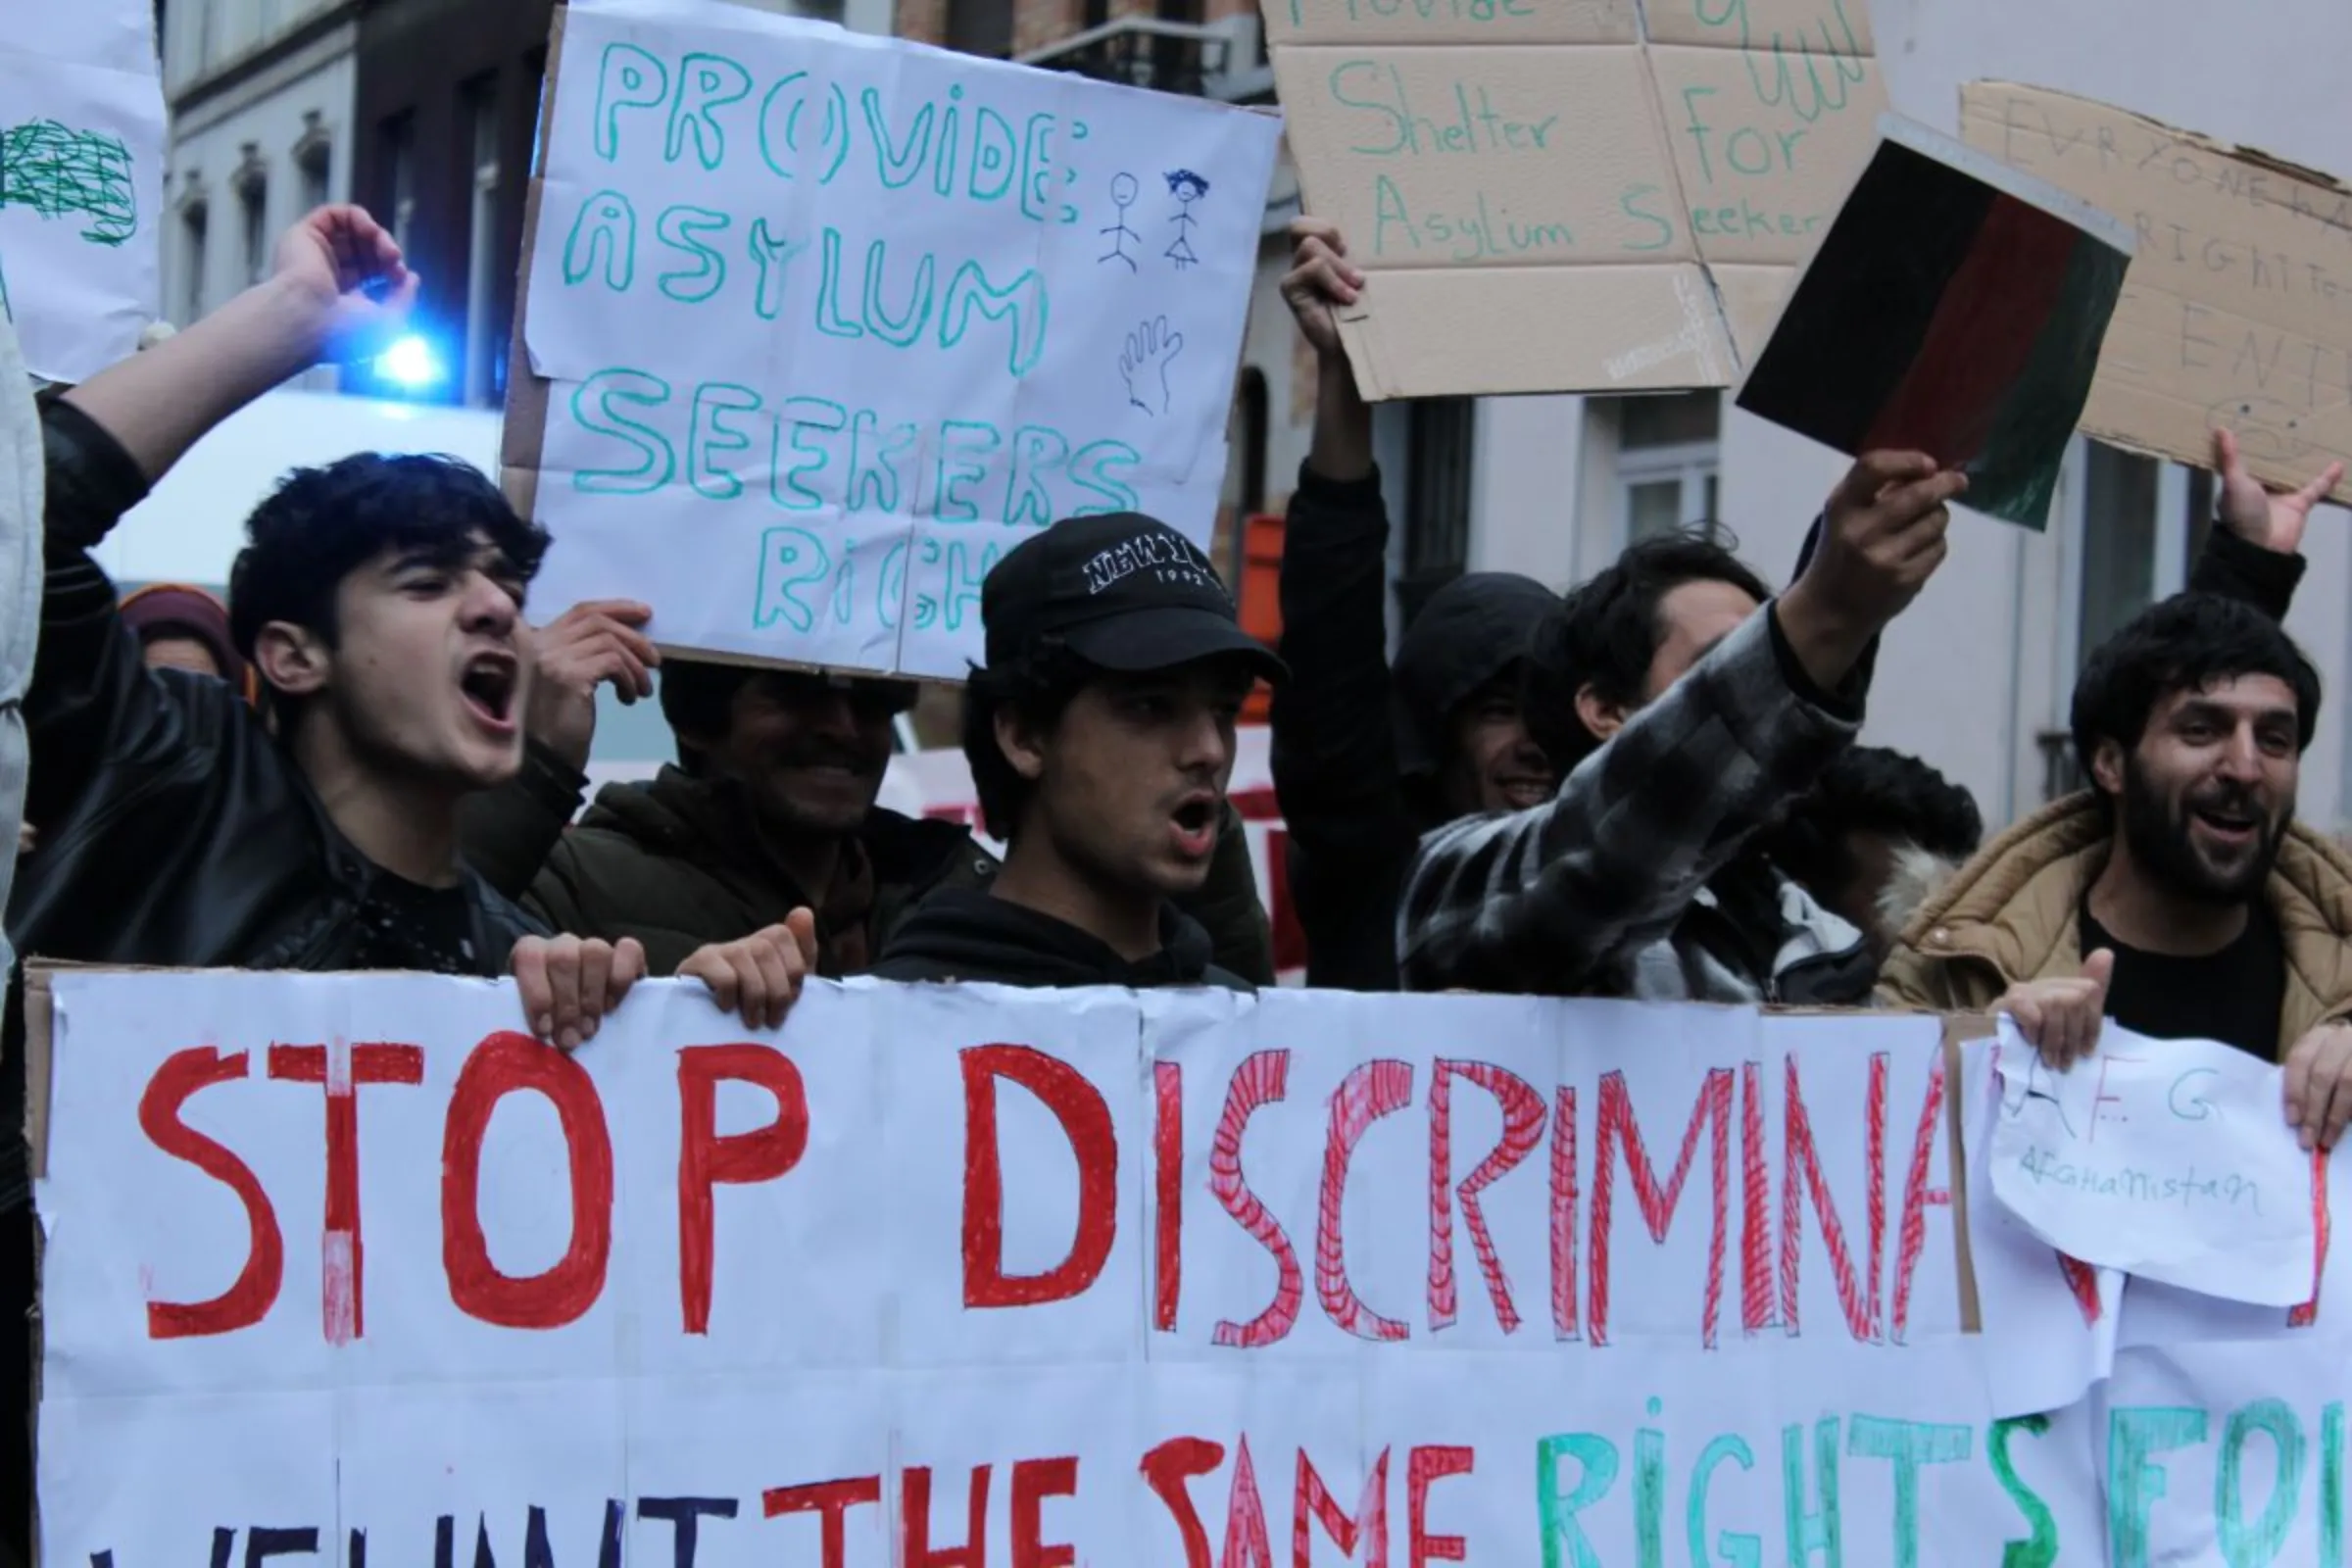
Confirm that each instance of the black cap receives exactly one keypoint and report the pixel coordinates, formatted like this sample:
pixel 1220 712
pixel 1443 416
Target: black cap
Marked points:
pixel 1125 592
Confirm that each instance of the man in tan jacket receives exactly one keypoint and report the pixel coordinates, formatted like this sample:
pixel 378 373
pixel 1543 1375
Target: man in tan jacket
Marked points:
pixel 2205 910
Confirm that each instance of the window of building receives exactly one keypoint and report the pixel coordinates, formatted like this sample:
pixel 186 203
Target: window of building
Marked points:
pixel 981 26
pixel 400 175
pixel 2118 576
pixel 192 218
pixel 485 341
pixel 1668 452
pixel 1440 442
pixel 253 221
pixel 313 155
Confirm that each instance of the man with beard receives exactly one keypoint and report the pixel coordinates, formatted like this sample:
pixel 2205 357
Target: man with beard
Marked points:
pixel 2206 911
pixel 770 808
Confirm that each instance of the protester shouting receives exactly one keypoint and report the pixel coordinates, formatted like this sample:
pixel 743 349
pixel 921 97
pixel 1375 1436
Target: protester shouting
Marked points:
pixel 1366 760
pixel 381 600
pixel 1100 739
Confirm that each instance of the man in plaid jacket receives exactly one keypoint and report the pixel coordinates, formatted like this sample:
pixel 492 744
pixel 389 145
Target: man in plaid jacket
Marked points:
pixel 1683 706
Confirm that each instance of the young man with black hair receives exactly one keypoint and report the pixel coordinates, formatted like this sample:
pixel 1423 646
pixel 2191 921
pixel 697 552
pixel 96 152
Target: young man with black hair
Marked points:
pixel 1683 706
pixel 2205 910
pixel 1875 839
pixel 1367 756
pixel 1100 739
pixel 381 600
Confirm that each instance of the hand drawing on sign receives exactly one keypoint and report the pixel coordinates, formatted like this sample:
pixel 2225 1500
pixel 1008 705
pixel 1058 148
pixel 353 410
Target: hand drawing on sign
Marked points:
pixel 1187 187
pixel 62 173
pixel 1123 190
pixel 1150 349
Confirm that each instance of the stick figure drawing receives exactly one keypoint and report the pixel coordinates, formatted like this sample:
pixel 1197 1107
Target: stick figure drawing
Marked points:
pixel 1187 187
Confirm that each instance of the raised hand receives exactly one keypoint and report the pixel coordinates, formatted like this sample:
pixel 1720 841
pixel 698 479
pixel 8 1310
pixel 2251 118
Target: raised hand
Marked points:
pixel 346 270
pixel 1318 279
pixel 592 643
pixel 2254 514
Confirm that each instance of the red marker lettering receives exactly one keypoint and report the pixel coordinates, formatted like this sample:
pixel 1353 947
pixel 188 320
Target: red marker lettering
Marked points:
pixel 249 1296
pixel 1086 1122
pixel 340 1071
pixel 504 1064
pixel 705 1159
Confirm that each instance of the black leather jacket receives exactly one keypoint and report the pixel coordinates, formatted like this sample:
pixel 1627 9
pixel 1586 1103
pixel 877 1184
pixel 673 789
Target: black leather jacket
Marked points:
pixel 174 830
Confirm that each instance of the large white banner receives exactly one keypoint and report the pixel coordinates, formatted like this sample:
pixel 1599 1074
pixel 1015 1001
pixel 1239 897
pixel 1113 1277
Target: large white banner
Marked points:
pixel 81 181
pixel 833 321
pixel 341 1269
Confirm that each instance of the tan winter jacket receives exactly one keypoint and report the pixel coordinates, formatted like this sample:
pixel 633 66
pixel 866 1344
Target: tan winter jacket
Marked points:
pixel 2011 915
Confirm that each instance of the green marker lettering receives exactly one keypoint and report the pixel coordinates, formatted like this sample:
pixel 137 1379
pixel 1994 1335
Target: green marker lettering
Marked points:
pixel 772 252
pixel 1388 207
pixel 1649 1493
pixel 1633 194
pixel 2134 1435
pixel 789 559
pixel 592 408
pixel 2040 1549
pixel 1908 1445
pixel 943 177
pixel 677 227
pixel 2257 1544
pixel 1565 1543
pixel 874 459
pixel 903 330
pixel 1811 1533
pixel 963 448
pixel 994 155
pixel 896 166
pixel 706 82
pixel 802 415
pixel 1023 301
pixel 627 77
pixel 1092 470
pixel 1037 451
pixel 1737 1549
pixel 829 320
pixel 603 237
pixel 2331 1484
pixel 708 433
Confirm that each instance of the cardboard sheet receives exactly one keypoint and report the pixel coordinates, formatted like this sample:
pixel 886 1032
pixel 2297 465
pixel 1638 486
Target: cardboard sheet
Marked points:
pixel 2237 310
pixel 1548 201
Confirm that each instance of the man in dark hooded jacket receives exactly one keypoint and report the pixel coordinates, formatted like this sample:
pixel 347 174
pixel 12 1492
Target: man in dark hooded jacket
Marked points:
pixel 1366 759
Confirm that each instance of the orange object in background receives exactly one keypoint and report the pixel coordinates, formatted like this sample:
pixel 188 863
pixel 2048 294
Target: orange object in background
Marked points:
pixel 1260 598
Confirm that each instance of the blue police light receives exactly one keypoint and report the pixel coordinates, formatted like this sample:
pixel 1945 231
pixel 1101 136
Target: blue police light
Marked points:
pixel 410 364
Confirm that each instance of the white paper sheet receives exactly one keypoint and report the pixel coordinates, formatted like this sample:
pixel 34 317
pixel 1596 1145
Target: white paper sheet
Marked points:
pixel 81 182
pixel 835 322
pixel 2167 1159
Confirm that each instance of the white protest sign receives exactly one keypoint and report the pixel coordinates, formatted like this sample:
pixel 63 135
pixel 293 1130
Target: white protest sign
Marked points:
pixel 833 321
pixel 2170 1159
pixel 81 182
pixel 341 1267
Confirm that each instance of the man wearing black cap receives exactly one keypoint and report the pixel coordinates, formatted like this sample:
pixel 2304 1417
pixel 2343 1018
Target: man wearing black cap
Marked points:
pixel 1100 739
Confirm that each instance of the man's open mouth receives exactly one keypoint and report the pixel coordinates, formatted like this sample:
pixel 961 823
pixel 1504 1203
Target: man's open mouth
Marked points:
pixel 488 685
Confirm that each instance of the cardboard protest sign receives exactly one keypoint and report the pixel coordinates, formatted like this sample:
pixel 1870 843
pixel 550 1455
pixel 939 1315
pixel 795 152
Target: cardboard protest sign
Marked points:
pixel 2237 310
pixel 81 182
pixel 1955 307
pixel 341 1266
pixel 1546 201
pixel 829 323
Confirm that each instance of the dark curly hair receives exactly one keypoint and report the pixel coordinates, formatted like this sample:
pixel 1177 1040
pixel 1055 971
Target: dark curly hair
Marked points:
pixel 2185 643
pixel 1872 790
pixel 319 525
pixel 698 698
pixel 1606 631
pixel 1039 686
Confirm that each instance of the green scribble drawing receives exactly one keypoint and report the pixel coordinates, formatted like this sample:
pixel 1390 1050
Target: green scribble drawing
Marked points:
pixel 62 173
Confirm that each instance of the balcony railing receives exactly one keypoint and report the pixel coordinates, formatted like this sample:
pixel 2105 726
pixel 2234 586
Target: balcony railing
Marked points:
pixel 1144 52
